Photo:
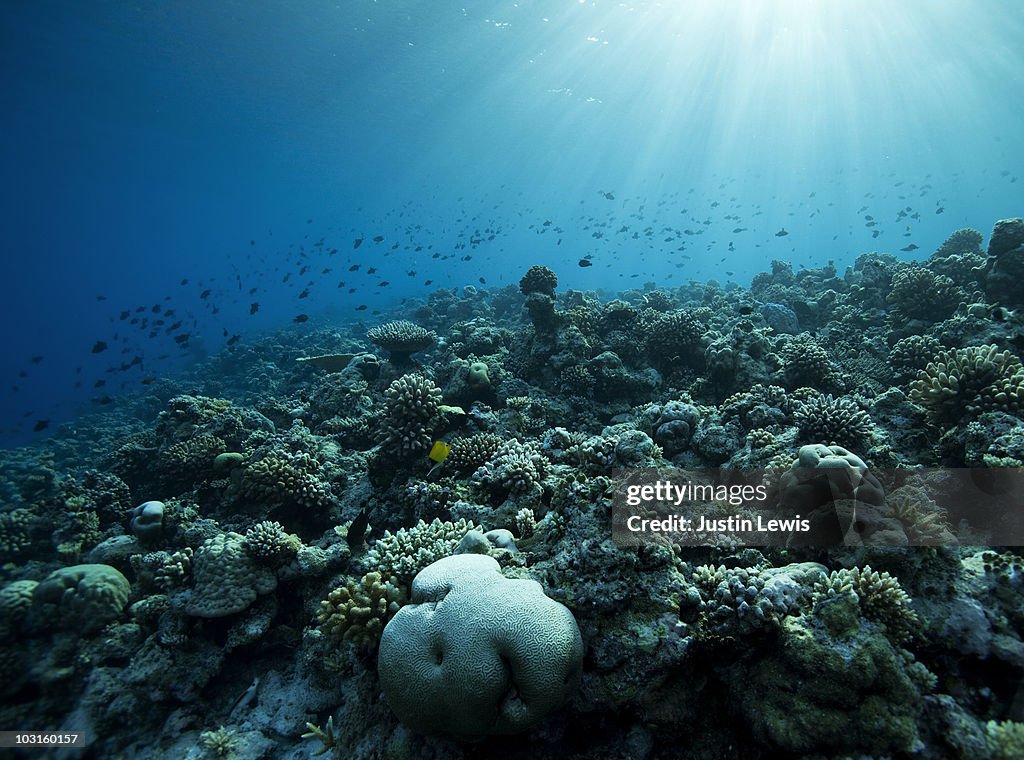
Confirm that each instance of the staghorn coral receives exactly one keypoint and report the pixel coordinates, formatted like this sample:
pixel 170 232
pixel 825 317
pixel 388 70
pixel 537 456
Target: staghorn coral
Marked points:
pixel 968 381
pixel 401 339
pixel 833 421
pixel 879 595
pixel 917 293
pixel 407 551
pixel 358 611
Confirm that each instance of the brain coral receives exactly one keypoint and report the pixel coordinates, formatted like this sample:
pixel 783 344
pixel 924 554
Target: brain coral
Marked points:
pixel 227 579
pixel 85 597
pixel 475 654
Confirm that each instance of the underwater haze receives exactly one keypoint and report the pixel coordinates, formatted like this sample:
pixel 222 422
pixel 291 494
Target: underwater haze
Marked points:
pixel 539 379
pixel 148 144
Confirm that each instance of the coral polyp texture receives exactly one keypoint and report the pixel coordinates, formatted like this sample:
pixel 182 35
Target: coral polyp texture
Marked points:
pixel 402 339
pixel 419 555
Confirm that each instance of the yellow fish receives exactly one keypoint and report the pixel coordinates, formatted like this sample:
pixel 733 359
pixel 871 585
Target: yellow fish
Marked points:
pixel 439 452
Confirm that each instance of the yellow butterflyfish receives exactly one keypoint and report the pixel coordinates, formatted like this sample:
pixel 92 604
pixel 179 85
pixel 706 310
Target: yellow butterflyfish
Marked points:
pixel 439 452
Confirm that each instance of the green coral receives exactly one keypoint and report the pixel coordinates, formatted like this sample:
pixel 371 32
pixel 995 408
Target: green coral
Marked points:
pixel 358 611
pixel 1005 739
pixel 830 692
pixel 879 595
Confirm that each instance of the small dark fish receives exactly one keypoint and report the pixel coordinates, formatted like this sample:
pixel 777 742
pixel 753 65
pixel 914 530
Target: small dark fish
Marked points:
pixel 253 308
pixel 125 315
pixel 101 298
pixel 183 338
pixel 149 380
pixel 940 209
pixel 911 247
pixel 428 282
pixel 233 339
pixel 104 400
pixel 184 281
pixel 372 270
pixel 378 238
pixel 304 293
pixel 746 309
pixel 357 529
pixel 357 242
pixel 36 359
pixel 585 263
pixel 40 425
pixel 205 293
pixel 99 383
pixel 383 284
pixel 354 268
pixel 483 281
pixel 875 233
pixel 781 233
pixel 252 242
pixel 361 307
pixel 609 196
pixel 100 346
pixel 301 318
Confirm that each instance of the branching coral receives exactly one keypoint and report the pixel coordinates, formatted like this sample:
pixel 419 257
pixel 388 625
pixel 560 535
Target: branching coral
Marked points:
pixel 358 611
pixel 879 595
pixel 833 421
pixel 401 339
pixel 968 381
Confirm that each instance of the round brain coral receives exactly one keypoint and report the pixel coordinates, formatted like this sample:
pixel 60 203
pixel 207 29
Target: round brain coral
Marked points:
pixel 475 654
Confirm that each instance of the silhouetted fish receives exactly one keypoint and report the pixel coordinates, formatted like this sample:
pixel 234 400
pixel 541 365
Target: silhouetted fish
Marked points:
pixel 40 425
pixel 253 308
pixel 357 530
pixel 585 263
pixel 100 346
pixel 781 233
pixel 911 247
pixel 301 318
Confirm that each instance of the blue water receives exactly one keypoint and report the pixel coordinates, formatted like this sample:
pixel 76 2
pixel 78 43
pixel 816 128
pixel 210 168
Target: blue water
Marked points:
pixel 233 143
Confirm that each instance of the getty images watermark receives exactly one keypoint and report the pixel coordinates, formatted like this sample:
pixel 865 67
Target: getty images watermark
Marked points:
pixel 840 503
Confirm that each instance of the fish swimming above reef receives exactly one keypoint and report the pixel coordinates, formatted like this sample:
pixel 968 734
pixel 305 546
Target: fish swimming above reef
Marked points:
pixel 781 233
pixel 911 247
